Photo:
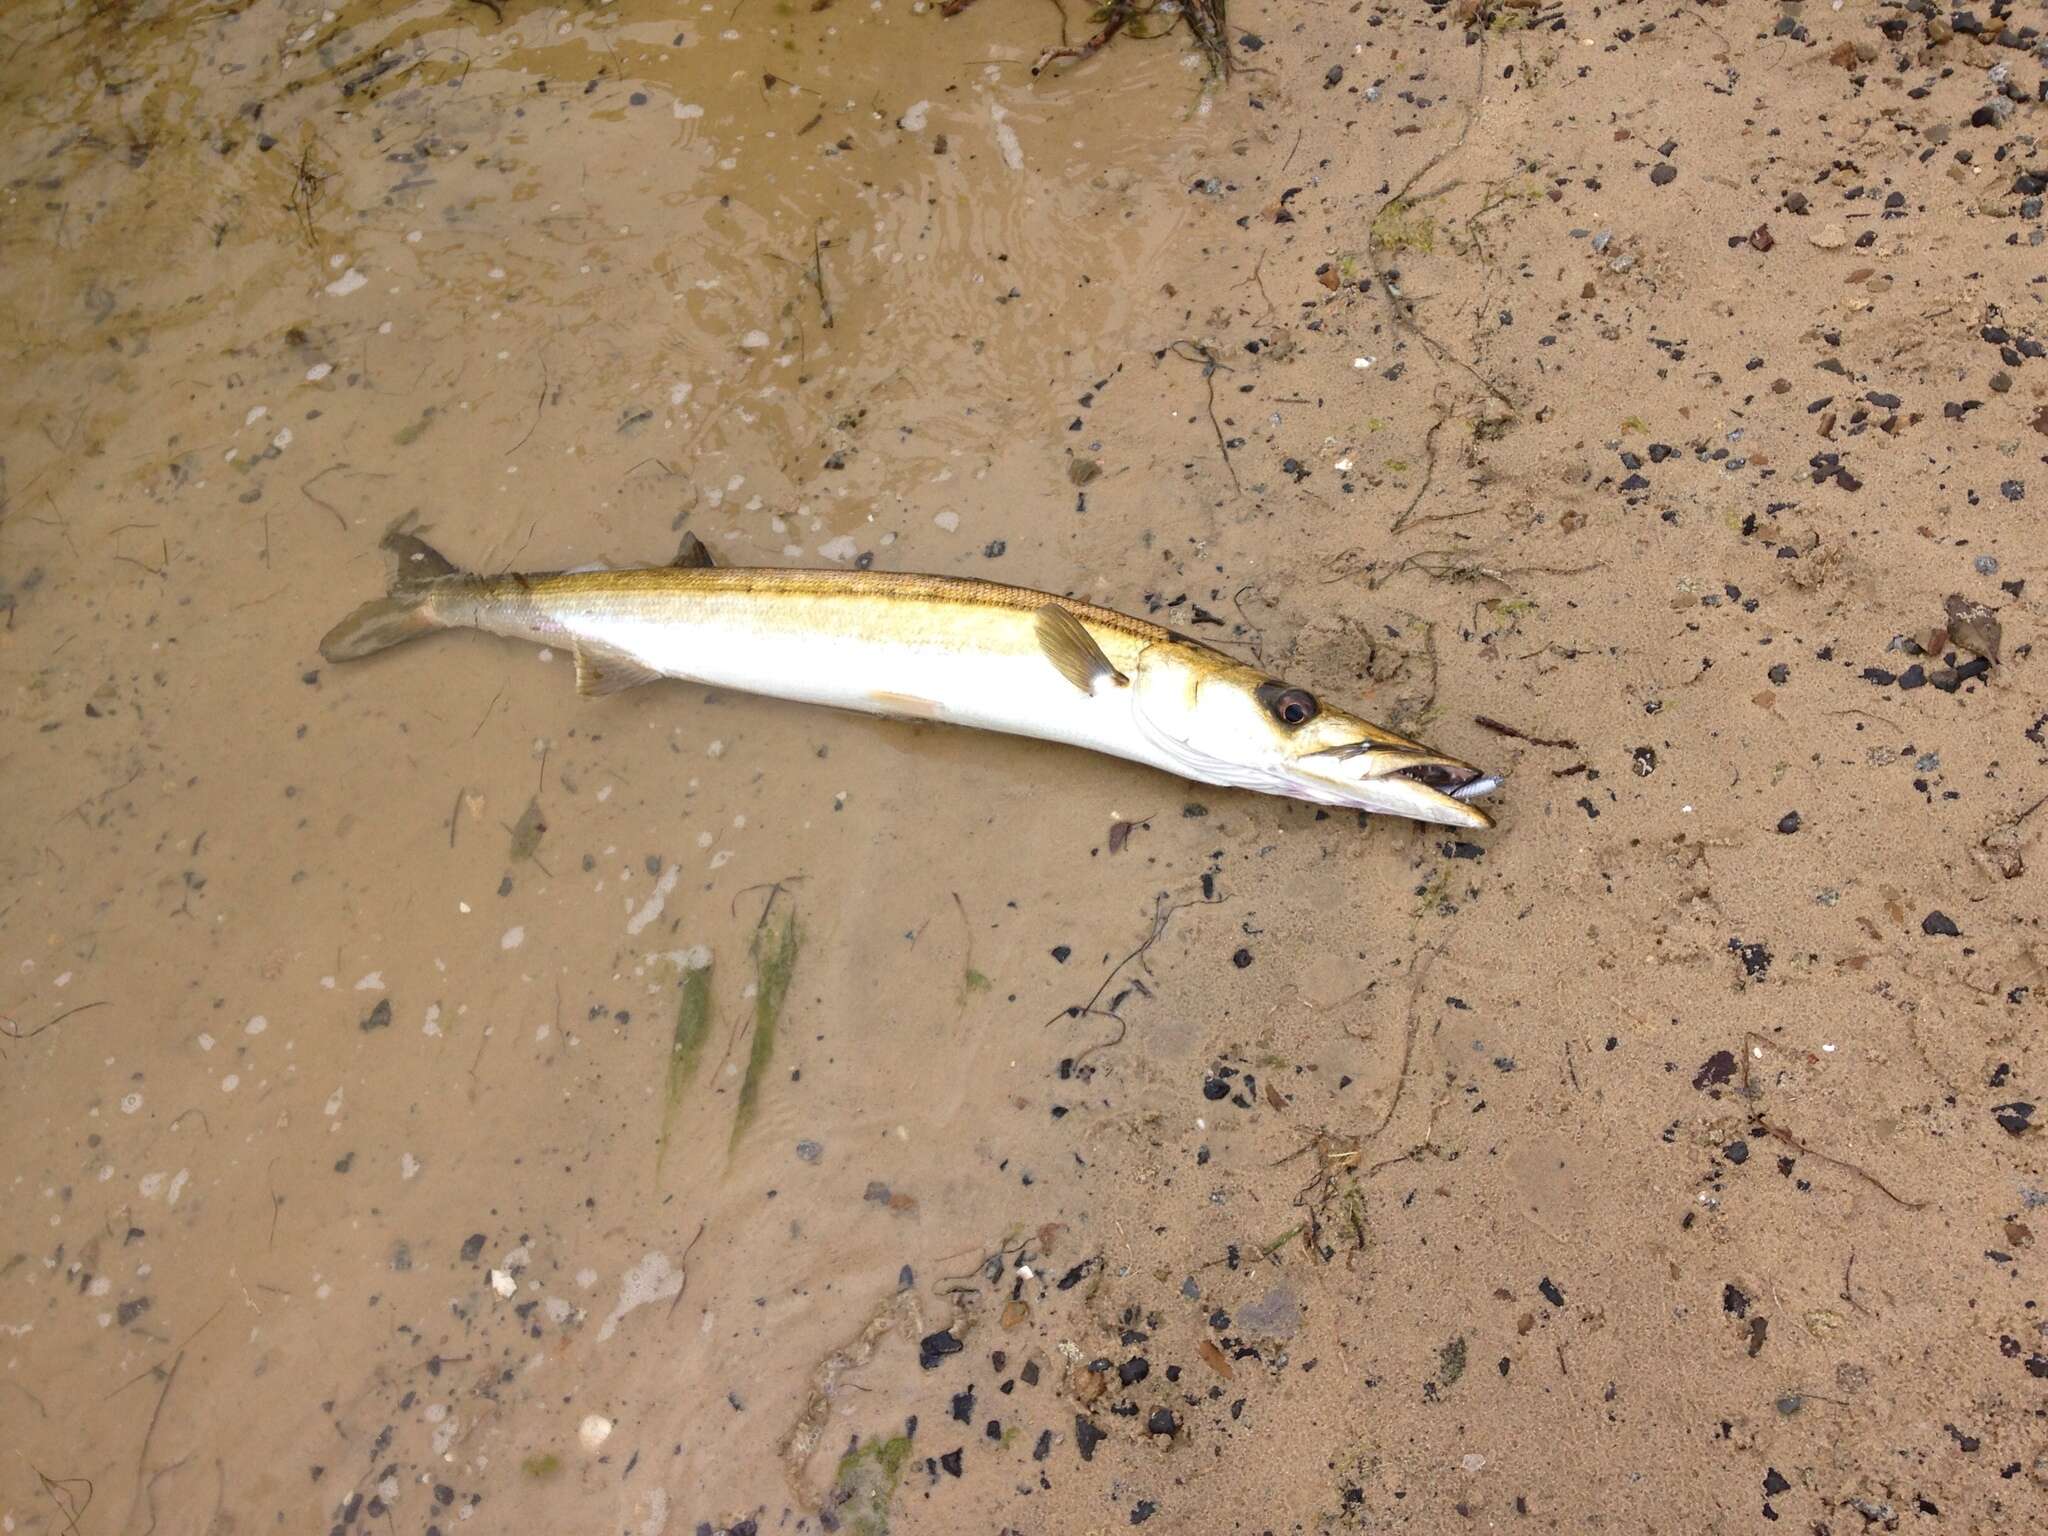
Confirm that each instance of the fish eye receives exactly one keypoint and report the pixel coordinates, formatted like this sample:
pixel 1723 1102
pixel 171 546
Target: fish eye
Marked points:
pixel 1290 706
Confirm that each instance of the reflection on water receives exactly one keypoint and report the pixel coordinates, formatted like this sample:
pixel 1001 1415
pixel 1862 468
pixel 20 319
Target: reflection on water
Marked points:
pixel 353 1169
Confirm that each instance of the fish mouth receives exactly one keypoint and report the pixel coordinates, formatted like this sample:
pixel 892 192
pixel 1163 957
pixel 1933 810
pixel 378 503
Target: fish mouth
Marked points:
pixel 1422 786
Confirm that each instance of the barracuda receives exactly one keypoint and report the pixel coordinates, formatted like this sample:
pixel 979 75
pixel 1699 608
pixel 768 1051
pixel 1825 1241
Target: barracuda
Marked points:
pixel 970 653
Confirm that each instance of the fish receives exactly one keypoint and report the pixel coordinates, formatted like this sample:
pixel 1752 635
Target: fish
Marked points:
pixel 932 648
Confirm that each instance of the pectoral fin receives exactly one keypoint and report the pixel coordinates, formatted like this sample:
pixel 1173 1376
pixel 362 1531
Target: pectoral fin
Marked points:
pixel 600 672
pixel 1068 646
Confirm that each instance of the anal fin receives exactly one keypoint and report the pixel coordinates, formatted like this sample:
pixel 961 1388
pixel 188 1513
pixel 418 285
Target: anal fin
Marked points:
pixel 1069 647
pixel 600 672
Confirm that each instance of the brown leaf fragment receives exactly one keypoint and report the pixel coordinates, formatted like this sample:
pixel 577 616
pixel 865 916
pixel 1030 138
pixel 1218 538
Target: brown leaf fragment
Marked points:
pixel 1974 627
pixel 1215 1359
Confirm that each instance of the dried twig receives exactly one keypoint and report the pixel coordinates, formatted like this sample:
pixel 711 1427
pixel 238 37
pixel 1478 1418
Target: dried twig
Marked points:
pixel 1751 1050
pixel 1499 729
pixel 14 1031
pixel 1210 364
pixel 1418 973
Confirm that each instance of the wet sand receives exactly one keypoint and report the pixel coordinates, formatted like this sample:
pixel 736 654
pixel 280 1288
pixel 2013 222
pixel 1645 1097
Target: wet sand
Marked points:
pixel 433 1101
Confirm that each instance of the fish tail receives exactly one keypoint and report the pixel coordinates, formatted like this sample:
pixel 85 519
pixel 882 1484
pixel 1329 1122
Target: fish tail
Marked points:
pixel 407 612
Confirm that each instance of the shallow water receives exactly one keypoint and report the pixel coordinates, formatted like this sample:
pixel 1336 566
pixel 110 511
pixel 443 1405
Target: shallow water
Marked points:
pixel 433 1100
pixel 360 1114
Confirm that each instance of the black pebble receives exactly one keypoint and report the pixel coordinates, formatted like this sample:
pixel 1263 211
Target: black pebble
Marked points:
pixel 1938 924
pixel 951 1462
pixel 1550 1290
pixel 1134 1370
pixel 1663 175
pixel 1789 823
pixel 1060 952
pixel 1087 1436
pixel 934 1347
pixel 1736 1152
pixel 1214 1088
pixel 1717 1069
pixel 2014 1118
pixel 963 1406
pixel 472 1245
pixel 1241 959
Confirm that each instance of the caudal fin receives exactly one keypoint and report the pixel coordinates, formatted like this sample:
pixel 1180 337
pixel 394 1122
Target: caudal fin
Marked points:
pixel 405 614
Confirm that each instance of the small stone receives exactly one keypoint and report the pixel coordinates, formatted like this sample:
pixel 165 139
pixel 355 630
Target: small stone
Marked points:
pixel 1789 823
pixel 1828 237
pixel 2015 1119
pixel 934 1347
pixel 1087 1436
pixel 810 1151
pixel 1938 924
pixel 1276 1315
pixel 1663 175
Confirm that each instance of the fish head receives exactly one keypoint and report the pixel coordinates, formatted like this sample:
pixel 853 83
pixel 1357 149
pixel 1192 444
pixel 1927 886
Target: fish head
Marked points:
pixel 1232 724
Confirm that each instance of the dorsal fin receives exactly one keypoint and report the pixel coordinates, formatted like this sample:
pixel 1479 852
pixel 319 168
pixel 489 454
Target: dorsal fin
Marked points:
pixel 691 555
pixel 1068 646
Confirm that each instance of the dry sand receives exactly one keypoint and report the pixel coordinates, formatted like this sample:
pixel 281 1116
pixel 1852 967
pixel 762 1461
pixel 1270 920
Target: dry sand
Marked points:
pixel 1647 401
